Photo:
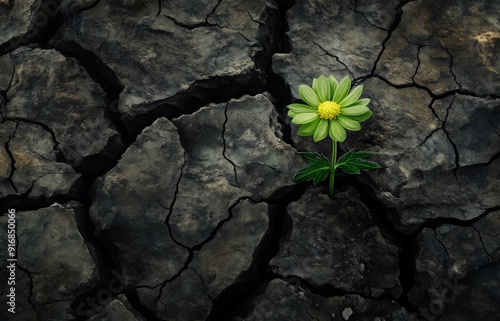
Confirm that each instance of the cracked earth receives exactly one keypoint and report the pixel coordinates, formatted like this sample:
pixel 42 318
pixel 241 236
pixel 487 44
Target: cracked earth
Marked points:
pixel 146 150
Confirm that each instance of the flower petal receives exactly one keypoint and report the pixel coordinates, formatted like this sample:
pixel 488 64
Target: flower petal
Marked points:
pixel 360 118
pixel 354 110
pixel 304 118
pixel 333 85
pixel 349 123
pixel 308 95
pixel 301 108
pixel 336 131
pixel 342 89
pixel 308 129
pixel 360 102
pixel 323 89
pixel 315 84
pixel 352 97
pixel 321 130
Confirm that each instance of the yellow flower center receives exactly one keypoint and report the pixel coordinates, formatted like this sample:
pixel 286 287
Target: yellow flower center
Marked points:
pixel 328 110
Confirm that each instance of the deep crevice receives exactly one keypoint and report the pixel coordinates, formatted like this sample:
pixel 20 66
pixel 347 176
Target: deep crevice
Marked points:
pixel 135 302
pixel 406 243
pixel 217 89
pixel 105 255
pixel 394 25
pixel 234 299
pixel 276 85
pixel 105 77
pixel 46 21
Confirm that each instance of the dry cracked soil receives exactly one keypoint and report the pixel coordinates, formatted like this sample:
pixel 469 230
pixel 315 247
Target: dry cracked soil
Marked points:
pixel 146 161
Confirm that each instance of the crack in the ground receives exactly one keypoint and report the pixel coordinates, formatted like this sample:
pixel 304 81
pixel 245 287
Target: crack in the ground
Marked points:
pixel 336 58
pixel 221 223
pixel 328 290
pixel 355 9
pixel 225 146
pixel 227 303
pixel 172 204
pixel 442 244
pixel 57 151
pixel 189 27
pixel 455 148
pixel 433 100
pixel 216 89
pixel 31 286
pixel 419 48
pixel 45 22
pixel 394 25
pixel 4 93
pixel 159 8
pixel 105 258
pixel 310 315
pixel 205 289
pixel 439 221
pixel 490 258
pixel 196 25
pixel 107 79
pixel 443 95
pixel 198 247
pixel 12 159
pixel 406 243
pixel 451 69
pixel 174 277
pixel 411 85
pixel 213 10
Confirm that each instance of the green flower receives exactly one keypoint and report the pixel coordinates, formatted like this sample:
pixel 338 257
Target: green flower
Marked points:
pixel 330 109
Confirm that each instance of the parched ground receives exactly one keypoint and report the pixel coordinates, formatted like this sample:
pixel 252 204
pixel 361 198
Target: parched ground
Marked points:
pixel 147 153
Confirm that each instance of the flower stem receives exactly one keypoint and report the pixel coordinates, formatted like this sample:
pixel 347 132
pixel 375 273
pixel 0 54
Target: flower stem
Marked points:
pixel 332 170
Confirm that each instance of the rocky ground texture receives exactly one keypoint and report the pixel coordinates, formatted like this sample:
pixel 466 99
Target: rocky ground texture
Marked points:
pixel 147 153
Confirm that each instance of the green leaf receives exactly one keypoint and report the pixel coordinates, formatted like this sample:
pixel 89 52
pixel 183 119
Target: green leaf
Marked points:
pixel 311 158
pixel 349 169
pixel 353 162
pixel 317 171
